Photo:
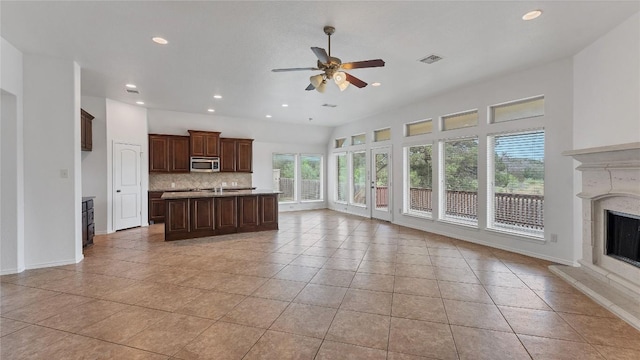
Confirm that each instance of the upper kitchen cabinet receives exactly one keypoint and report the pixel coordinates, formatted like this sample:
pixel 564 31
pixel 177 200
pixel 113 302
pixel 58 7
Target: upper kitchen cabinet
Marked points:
pixel 204 143
pixel 236 155
pixel 169 153
pixel 86 131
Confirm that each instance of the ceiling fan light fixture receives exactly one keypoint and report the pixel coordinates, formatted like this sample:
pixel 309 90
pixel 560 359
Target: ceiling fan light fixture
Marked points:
pixel 322 86
pixel 343 85
pixel 316 80
pixel 339 77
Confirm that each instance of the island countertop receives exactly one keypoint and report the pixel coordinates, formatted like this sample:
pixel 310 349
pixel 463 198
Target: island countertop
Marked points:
pixel 210 194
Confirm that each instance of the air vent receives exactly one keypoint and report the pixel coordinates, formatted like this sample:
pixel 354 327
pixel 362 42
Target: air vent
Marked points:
pixel 431 59
pixel 133 91
pixel 329 105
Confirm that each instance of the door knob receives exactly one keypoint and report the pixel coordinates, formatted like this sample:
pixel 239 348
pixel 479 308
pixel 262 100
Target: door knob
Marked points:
pixel 117 190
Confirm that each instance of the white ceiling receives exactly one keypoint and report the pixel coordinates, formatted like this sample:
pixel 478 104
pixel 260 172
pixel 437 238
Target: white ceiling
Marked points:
pixel 229 48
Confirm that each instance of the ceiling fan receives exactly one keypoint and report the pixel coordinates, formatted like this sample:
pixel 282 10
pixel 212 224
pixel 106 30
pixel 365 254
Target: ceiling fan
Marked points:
pixel 333 67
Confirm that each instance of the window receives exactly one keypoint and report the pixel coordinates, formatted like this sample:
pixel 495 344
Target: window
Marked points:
pixel 342 177
pixel 516 110
pixel 516 182
pixel 358 139
pixel 311 177
pixel 284 176
pixel 340 143
pixel 460 168
pixel 419 127
pixel 382 135
pixel 460 120
pixel 419 179
pixel 359 177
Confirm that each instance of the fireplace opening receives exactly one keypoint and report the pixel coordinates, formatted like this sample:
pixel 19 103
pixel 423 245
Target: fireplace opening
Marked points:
pixel 623 237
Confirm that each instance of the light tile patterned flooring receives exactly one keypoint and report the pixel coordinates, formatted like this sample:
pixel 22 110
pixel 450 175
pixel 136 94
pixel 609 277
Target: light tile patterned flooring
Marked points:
pixel 325 286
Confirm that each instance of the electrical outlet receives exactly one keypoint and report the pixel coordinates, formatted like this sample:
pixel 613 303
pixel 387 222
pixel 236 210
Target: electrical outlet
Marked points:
pixel 554 238
pixel 173 185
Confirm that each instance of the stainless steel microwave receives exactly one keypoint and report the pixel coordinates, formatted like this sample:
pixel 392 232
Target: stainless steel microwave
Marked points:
pixel 205 164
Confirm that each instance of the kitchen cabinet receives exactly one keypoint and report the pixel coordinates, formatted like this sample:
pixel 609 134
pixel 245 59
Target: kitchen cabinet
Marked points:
pixel 169 153
pixel 204 143
pixel 248 211
pixel 201 214
pixel 225 211
pixel 236 155
pixel 268 212
pixel 88 226
pixel 177 219
pixel 86 131
pixel 156 207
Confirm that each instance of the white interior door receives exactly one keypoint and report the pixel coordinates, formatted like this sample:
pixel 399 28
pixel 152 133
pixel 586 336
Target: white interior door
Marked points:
pixel 127 186
pixel 381 183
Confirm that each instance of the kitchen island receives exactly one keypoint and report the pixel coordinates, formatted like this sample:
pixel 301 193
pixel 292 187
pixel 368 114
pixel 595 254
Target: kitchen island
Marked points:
pixel 195 214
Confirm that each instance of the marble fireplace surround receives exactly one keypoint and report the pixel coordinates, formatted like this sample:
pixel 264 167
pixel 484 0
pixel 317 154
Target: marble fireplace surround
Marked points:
pixel 610 181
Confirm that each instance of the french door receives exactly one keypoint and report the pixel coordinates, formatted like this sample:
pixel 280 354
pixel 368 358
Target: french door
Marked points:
pixel 381 191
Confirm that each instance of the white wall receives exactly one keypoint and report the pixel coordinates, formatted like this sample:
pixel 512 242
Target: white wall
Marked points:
pixel 606 81
pixel 94 163
pixel 606 98
pixel 269 137
pixel 11 161
pixel 52 200
pixel 555 81
pixel 126 124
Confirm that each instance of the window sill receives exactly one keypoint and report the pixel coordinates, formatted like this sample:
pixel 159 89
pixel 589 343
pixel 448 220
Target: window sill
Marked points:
pixel 427 216
pixel 519 234
pixel 467 224
pixel 311 201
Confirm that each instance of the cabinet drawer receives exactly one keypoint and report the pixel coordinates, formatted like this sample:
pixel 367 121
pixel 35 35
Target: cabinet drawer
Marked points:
pixel 89 204
pixel 90 216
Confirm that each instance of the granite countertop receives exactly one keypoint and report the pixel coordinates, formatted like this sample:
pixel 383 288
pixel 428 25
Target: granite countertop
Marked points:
pixel 209 193
pixel 203 189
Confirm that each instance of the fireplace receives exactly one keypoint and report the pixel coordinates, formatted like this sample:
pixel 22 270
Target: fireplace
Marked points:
pixel 611 214
pixel 623 237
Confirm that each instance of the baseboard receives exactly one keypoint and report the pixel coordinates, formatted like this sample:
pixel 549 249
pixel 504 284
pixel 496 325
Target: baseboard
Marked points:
pixel 53 263
pixel 11 271
pixel 101 232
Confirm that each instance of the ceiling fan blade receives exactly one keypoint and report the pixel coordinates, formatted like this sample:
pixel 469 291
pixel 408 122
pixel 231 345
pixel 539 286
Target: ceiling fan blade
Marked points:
pixel 355 81
pixel 363 64
pixel 321 54
pixel 310 87
pixel 294 69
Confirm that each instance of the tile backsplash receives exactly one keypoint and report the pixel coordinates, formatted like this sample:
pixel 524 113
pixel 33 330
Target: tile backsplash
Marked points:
pixel 159 182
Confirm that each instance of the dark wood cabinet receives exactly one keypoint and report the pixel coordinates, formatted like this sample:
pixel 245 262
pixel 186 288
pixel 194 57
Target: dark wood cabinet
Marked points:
pixel 226 215
pixel 156 207
pixel 236 155
pixel 179 161
pixel 268 212
pixel 169 153
pixel 88 226
pixel 244 156
pixel 204 143
pixel 248 219
pixel 177 219
pixel 86 131
pixel 201 214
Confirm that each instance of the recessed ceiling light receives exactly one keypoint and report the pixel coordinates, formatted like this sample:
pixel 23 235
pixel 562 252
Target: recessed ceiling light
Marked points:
pixel 531 15
pixel 217 96
pixel 285 105
pixel 131 86
pixel 140 102
pixel 268 116
pixel 159 40
pixel 376 84
pixel 210 110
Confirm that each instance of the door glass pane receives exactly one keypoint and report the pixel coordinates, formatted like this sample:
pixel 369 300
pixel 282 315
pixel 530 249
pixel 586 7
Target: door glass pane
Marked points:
pixel 359 173
pixel 342 180
pixel 311 168
pixel 284 176
pixel 382 181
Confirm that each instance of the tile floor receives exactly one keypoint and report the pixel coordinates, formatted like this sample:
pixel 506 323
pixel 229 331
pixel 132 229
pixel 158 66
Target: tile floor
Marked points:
pixel 325 286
